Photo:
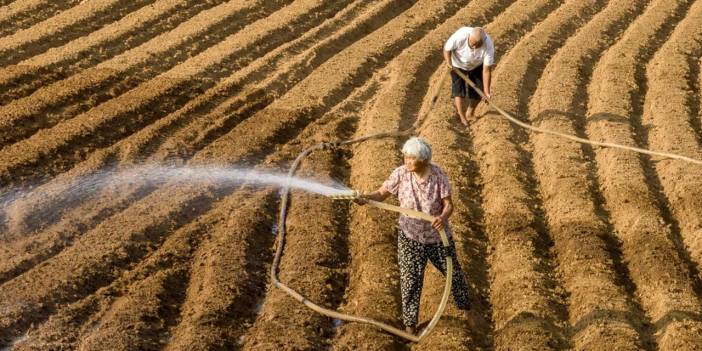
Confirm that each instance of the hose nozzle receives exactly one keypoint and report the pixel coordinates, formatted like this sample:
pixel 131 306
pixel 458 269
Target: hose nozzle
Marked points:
pixel 346 195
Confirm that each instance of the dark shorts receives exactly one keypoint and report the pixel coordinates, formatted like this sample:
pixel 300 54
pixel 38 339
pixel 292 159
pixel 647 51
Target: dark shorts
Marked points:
pixel 458 85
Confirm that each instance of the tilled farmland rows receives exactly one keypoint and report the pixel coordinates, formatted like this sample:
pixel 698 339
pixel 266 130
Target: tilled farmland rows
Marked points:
pixel 189 139
pixel 671 120
pixel 212 149
pixel 86 216
pixel 678 116
pixel 101 208
pixel 54 259
pixel 393 101
pixel 21 14
pixel 569 186
pixel 102 82
pixel 228 307
pixel 499 159
pixel 136 28
pixel 213 114
pixel 187 50
pixel 73 23
pixel 563 245
pixel 629 186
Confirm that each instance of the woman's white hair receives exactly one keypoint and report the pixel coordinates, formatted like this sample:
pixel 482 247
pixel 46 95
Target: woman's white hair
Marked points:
pixel 417 148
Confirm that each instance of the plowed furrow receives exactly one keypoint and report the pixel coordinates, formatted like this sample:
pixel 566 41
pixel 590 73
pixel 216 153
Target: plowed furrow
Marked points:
pixel 75 22
pixel 373 289
pixel 668 124
pixel 22 14
pixel 215 113
pixel 119 117
pixel 695 100
pixel 628 188
pixel 228 275
pixel 415 67
pixel 228 270
pixel 571 197
pixel 226 308
pixel 216 313
pixel 511 201
pixel 278 126
pixel 470 330
pixel 133 30
pixel 69 325
pixel 392 102
pixel 114 78
pixel 92 208
pixel 333 80
pixel 137 320
pixel 95 260
pixel 314 264
pixel 699 91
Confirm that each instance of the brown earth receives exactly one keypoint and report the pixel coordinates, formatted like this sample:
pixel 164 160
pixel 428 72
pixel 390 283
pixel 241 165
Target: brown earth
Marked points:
pixel 564 246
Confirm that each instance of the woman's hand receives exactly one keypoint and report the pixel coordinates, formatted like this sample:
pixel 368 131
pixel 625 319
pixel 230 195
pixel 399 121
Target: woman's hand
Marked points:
pixel 379 195
pixel 437 223
pixel 362 199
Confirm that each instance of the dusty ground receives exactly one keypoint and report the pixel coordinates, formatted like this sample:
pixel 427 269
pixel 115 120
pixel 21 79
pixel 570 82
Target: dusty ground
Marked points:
pixel 565 246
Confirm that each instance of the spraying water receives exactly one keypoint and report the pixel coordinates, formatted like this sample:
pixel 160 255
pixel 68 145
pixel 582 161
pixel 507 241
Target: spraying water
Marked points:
pixel 49 199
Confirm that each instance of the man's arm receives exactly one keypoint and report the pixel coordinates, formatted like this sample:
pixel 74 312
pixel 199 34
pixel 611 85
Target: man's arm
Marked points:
pixel 487 76
pixel 447 58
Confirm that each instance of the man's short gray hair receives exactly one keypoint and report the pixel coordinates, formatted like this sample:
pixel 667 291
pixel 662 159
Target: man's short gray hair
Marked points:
pixel 417 148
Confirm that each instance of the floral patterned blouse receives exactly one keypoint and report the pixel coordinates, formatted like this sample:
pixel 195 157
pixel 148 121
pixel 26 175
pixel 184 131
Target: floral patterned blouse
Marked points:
pixel 421 195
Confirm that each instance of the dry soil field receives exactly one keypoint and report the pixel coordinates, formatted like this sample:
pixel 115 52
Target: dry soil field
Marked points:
pixel 565 246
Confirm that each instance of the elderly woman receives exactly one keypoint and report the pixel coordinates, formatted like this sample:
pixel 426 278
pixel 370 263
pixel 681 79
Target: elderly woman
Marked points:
pixel 422 186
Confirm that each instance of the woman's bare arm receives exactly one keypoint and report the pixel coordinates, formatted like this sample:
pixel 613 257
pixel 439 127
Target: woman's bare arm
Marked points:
pixel 438 222
pixel 379 195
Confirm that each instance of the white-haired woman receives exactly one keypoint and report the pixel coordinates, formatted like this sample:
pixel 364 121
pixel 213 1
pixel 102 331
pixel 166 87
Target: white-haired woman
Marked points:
pixel 422 186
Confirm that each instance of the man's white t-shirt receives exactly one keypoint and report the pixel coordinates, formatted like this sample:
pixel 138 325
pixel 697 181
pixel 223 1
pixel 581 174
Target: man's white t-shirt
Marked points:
pixel 463 57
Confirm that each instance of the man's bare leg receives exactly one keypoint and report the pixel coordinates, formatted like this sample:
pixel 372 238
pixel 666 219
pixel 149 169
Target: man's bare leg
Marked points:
pixel 470 110
pixel 460 109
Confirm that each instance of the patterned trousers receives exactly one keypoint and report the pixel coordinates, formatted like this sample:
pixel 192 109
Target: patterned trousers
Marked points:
pixel 412 258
